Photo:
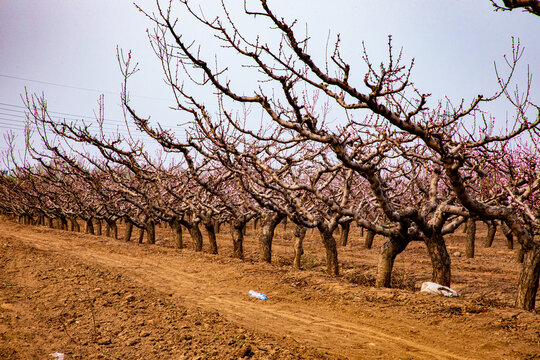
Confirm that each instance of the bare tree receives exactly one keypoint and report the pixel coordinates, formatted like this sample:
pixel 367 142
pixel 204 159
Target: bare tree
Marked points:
pixel 400 132
pixel 531 6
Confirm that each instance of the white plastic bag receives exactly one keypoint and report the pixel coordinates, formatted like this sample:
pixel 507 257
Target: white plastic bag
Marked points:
pixel 433 288
pixel 57 356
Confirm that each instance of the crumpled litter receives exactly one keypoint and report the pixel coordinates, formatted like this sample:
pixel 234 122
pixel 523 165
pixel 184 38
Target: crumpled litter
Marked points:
pixel 437 289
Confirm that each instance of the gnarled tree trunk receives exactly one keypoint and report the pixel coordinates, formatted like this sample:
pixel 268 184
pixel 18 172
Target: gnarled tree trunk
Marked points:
pixel 299 235
pixel 196 236
pixel 269 223
pixel 150 231
pixel 111 230
pixel 74 225
pixel 390 249
pixel 509 236
pixel 528 279
pixel 89 227
pixel 141 236
pixel 99 227
pixel 237 232
pixel 211 231
pixel 191 223
pixel 492 229
pixel 520 254
pixel 129 230
pixel 471 236
pixel 327 237
pixel 344 234
pixel 63 223
pixel 368 241
pixel 177 230
pixel 440 260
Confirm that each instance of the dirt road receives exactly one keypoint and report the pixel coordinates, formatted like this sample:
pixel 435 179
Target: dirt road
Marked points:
pixel 307 315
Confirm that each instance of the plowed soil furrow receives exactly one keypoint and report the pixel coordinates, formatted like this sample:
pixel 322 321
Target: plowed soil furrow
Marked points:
pixel 356 331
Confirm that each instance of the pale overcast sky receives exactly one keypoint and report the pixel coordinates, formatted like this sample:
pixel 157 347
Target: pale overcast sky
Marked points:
pixel 67 49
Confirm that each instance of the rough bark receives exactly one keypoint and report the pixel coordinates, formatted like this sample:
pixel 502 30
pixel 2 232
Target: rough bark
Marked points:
pixel 237 232
pixel 299 235
pixel 440 260
pixel 129 230
pixel 150 231
pixel 111 230
pixel 330 246
pixel 99 227
pixel 211 231
pixel 528 280
pixel 520 254
pixel 368 242
pixel 390 249
pixel 177 231
pixel 74 225
pixel 509 236
pixel 492 229
pixel 89 227
pixel 114 228
pixel 63 223
pixel 471 236
pixel 50 223
pixel 141 236
pixel 191 223
pixel 269 224
pixel 344 234
pixel 196 236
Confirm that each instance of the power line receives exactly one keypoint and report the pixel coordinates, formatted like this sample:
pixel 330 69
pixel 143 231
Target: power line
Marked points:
pixel 19 124
pixel 109 127
pixel 78 87
pixel 9 125
pixel 11 122
pixel 56 112
pixel 76 117
pixel 17 121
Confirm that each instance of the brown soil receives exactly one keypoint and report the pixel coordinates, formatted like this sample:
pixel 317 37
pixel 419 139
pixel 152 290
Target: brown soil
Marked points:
pixel 92 297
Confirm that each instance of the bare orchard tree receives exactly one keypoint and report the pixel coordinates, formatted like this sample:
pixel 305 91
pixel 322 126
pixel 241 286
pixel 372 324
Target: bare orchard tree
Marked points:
pixel 381 156
pixel 386 122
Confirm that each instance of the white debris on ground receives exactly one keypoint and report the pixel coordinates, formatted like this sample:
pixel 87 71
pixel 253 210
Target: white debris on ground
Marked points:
pixel 437 289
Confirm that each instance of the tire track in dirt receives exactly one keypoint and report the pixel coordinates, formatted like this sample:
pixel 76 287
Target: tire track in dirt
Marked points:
pixel 334 332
